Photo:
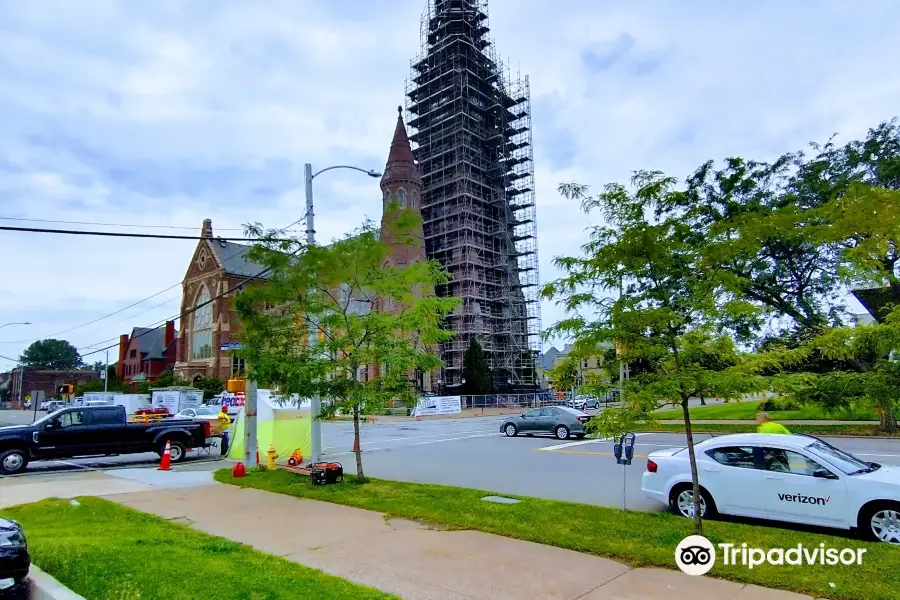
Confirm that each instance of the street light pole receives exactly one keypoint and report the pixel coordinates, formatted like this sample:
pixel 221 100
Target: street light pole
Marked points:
pixel 315 403
pixel 106 373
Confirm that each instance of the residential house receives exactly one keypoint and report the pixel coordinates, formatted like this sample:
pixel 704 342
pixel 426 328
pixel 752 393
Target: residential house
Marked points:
pixel 146 354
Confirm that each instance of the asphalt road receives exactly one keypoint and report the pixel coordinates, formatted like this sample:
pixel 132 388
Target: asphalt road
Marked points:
pixel 473 453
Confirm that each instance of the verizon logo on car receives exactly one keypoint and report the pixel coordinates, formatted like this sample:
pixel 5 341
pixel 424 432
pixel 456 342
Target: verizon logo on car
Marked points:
pixel 802 499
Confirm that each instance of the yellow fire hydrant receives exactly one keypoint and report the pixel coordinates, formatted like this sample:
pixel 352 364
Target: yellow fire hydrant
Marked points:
pixel 272 453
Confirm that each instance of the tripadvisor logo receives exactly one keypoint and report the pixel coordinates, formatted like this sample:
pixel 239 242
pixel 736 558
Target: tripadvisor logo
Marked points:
pixel 696 555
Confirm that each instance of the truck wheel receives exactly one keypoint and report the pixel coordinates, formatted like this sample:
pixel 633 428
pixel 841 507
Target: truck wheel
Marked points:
pixel 177 451
pixel 13 461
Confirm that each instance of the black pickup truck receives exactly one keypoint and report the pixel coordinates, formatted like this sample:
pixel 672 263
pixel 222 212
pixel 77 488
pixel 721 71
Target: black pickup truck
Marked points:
pixel 95 431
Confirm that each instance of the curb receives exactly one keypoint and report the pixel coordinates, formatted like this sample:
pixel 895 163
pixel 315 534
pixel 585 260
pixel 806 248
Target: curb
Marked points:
pixel 42 586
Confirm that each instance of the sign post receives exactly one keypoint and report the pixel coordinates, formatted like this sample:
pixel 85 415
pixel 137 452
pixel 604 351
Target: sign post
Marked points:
pixel 623 449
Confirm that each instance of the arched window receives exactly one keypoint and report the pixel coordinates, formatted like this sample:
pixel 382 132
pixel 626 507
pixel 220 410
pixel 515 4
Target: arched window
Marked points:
pixel 414 202
pixel 201 332
pixel 401 198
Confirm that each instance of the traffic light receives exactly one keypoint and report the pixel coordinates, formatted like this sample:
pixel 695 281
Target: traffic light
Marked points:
pixel 236 386
pixel 67 389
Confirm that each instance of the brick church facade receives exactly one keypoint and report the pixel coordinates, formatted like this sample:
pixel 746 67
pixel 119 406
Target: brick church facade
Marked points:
pixel 218 266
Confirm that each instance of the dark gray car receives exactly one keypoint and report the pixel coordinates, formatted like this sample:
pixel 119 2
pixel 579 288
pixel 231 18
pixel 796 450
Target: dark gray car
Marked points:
pixel 561 421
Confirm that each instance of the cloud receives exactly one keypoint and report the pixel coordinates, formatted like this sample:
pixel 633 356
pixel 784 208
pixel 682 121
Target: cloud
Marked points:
pixel 167 112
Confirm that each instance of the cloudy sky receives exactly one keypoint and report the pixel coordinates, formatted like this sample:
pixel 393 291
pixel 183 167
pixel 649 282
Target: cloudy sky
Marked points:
pixel 163 113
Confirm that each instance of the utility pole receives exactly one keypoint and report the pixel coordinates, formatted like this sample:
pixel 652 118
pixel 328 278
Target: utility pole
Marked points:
pixel 106 374
pixel 315 403
pixel 250 425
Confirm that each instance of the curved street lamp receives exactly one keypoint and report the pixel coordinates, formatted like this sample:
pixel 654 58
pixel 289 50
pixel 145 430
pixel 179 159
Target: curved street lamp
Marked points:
pixel 16 323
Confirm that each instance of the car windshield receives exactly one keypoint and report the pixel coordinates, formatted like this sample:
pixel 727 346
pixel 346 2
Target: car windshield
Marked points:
pixel 847 463
pixel 207 411
pixel 573 411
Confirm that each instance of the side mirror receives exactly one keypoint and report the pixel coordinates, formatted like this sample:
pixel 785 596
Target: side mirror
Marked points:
pixel 824 474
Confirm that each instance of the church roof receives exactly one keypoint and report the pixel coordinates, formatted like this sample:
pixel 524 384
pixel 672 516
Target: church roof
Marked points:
pixel 401 165
pixel 233 258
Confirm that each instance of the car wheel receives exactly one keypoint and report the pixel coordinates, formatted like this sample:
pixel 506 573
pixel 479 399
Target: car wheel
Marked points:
pixel 562 432
pixel 177 451
pixel 510 430
pixel 881 522
pixel 13 461
pixel 682 502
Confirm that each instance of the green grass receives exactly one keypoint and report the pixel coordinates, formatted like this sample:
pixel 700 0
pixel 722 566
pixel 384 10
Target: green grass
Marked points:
pixel 819 430
pixel 105 551
pixel 749 409
pixel 637 538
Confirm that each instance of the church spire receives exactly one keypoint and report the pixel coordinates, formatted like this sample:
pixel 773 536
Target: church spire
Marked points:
pixel 401 166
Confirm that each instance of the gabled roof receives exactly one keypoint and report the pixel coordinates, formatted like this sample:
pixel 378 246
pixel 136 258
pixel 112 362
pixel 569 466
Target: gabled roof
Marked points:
pixel 150 342
pixel 233 258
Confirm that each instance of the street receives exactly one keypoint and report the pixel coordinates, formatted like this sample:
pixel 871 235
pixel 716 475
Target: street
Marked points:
pixel 472 452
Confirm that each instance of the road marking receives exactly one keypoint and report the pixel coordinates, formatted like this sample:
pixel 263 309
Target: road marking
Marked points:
pixel 414 437
pixel 63 462
pixel 420 443
pixel 559 447
pixel 589 452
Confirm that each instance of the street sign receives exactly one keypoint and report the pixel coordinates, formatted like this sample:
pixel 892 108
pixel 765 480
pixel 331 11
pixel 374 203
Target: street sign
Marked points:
pixel 225 347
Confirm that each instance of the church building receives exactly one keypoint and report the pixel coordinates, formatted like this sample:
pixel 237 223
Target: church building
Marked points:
pixel 218 266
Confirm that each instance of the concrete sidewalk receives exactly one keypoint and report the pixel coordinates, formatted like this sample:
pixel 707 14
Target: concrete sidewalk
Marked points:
pixel 418 563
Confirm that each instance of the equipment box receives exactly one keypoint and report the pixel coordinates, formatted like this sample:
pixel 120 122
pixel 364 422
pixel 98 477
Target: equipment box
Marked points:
pixel 323 473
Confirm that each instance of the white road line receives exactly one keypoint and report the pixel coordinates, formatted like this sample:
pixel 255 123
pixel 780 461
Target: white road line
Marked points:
pixel 71 464
pixel 420 443
pixel 583 442
pixel 411 437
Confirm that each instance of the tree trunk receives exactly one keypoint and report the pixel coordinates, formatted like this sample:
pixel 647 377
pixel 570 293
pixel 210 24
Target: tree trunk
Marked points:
pixel 702 400
pixel 357 450
pixel 698 520
pixel 888 421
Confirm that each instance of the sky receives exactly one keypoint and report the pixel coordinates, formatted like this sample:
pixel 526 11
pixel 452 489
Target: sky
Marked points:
pixel 168 112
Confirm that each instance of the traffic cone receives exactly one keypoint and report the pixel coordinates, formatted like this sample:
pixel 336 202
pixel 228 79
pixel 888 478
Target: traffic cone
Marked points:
pixel 166 463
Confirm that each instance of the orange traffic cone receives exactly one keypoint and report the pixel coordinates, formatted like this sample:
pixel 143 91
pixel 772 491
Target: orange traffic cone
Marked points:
pixel 355 446
pixel 166 463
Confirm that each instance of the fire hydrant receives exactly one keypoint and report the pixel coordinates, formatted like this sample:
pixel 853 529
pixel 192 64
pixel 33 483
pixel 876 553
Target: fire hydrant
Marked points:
pixel 272 453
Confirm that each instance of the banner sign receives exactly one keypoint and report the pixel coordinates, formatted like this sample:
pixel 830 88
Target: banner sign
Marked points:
pixel 438 405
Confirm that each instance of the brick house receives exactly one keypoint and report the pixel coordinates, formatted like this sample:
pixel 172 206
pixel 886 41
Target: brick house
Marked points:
pixel 146 354
pixel 218 265
pixel 26 380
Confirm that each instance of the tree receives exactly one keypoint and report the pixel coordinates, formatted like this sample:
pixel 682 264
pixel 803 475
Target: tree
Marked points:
pixel 51 354
pixel 564 375
pixel 667 313
pixel 211 386
pixel 476 369
pixel 377 323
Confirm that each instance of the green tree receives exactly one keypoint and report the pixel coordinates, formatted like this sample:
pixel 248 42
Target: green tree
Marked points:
pixel 211 386
pixel 665 316
pixel 476 369
pixel 377 322
pixel 169 379
pixel 564 375
pixel 56 355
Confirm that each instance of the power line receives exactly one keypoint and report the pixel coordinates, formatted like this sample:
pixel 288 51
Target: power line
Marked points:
pixel 114 224
pixel 157 236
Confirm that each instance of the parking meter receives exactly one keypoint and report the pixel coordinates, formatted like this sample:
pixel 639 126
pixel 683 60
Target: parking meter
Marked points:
pixel 624 446
pixel 617 448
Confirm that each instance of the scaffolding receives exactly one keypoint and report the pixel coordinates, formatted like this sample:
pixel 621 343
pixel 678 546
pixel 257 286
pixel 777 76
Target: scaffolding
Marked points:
pixel 471 123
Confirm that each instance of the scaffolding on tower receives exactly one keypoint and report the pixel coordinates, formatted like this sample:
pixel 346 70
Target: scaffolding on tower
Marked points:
pixel 471 123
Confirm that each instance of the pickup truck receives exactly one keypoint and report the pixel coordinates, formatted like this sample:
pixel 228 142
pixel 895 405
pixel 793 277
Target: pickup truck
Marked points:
pixel 95 431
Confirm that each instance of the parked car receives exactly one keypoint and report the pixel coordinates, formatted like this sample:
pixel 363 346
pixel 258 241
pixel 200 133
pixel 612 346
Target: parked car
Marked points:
pixel 210 413
pixel 793 478
pixel 154 411
pixel 584 403
pixel 14 560
pixel 43 405
pixel 55 405
pixel 96 431
pixel 561 421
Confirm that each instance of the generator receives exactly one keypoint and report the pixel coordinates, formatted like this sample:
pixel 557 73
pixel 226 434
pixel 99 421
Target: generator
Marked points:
pixel 326 472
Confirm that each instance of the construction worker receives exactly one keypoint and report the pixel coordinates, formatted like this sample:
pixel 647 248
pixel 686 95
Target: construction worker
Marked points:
pixel 766 425
pixel 224 426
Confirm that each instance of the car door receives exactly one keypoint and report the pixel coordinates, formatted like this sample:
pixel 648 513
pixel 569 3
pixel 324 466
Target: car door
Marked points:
pixel 107 430
pixel 530 420
pixel 794 494
pixel 65 435
pixel 732 477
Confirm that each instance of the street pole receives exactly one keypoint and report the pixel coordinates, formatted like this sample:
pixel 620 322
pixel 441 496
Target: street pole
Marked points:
pixel 106 374
pixel 315 403
pixel 250 425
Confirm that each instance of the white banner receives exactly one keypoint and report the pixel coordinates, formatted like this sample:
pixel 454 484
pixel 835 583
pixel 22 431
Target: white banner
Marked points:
pixel 438 405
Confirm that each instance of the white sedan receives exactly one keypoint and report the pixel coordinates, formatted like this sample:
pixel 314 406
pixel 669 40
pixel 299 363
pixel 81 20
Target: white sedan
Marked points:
pixel 795 478
pixel 207 413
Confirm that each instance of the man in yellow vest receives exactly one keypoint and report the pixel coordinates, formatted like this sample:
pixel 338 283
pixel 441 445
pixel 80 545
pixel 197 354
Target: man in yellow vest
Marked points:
pixel 766 425
pixel 224 426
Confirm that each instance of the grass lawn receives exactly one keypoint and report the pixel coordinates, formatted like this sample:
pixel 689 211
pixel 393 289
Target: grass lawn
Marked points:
pixel 819 430
pixel 637 538
pixel 748 410
pixel 104 551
